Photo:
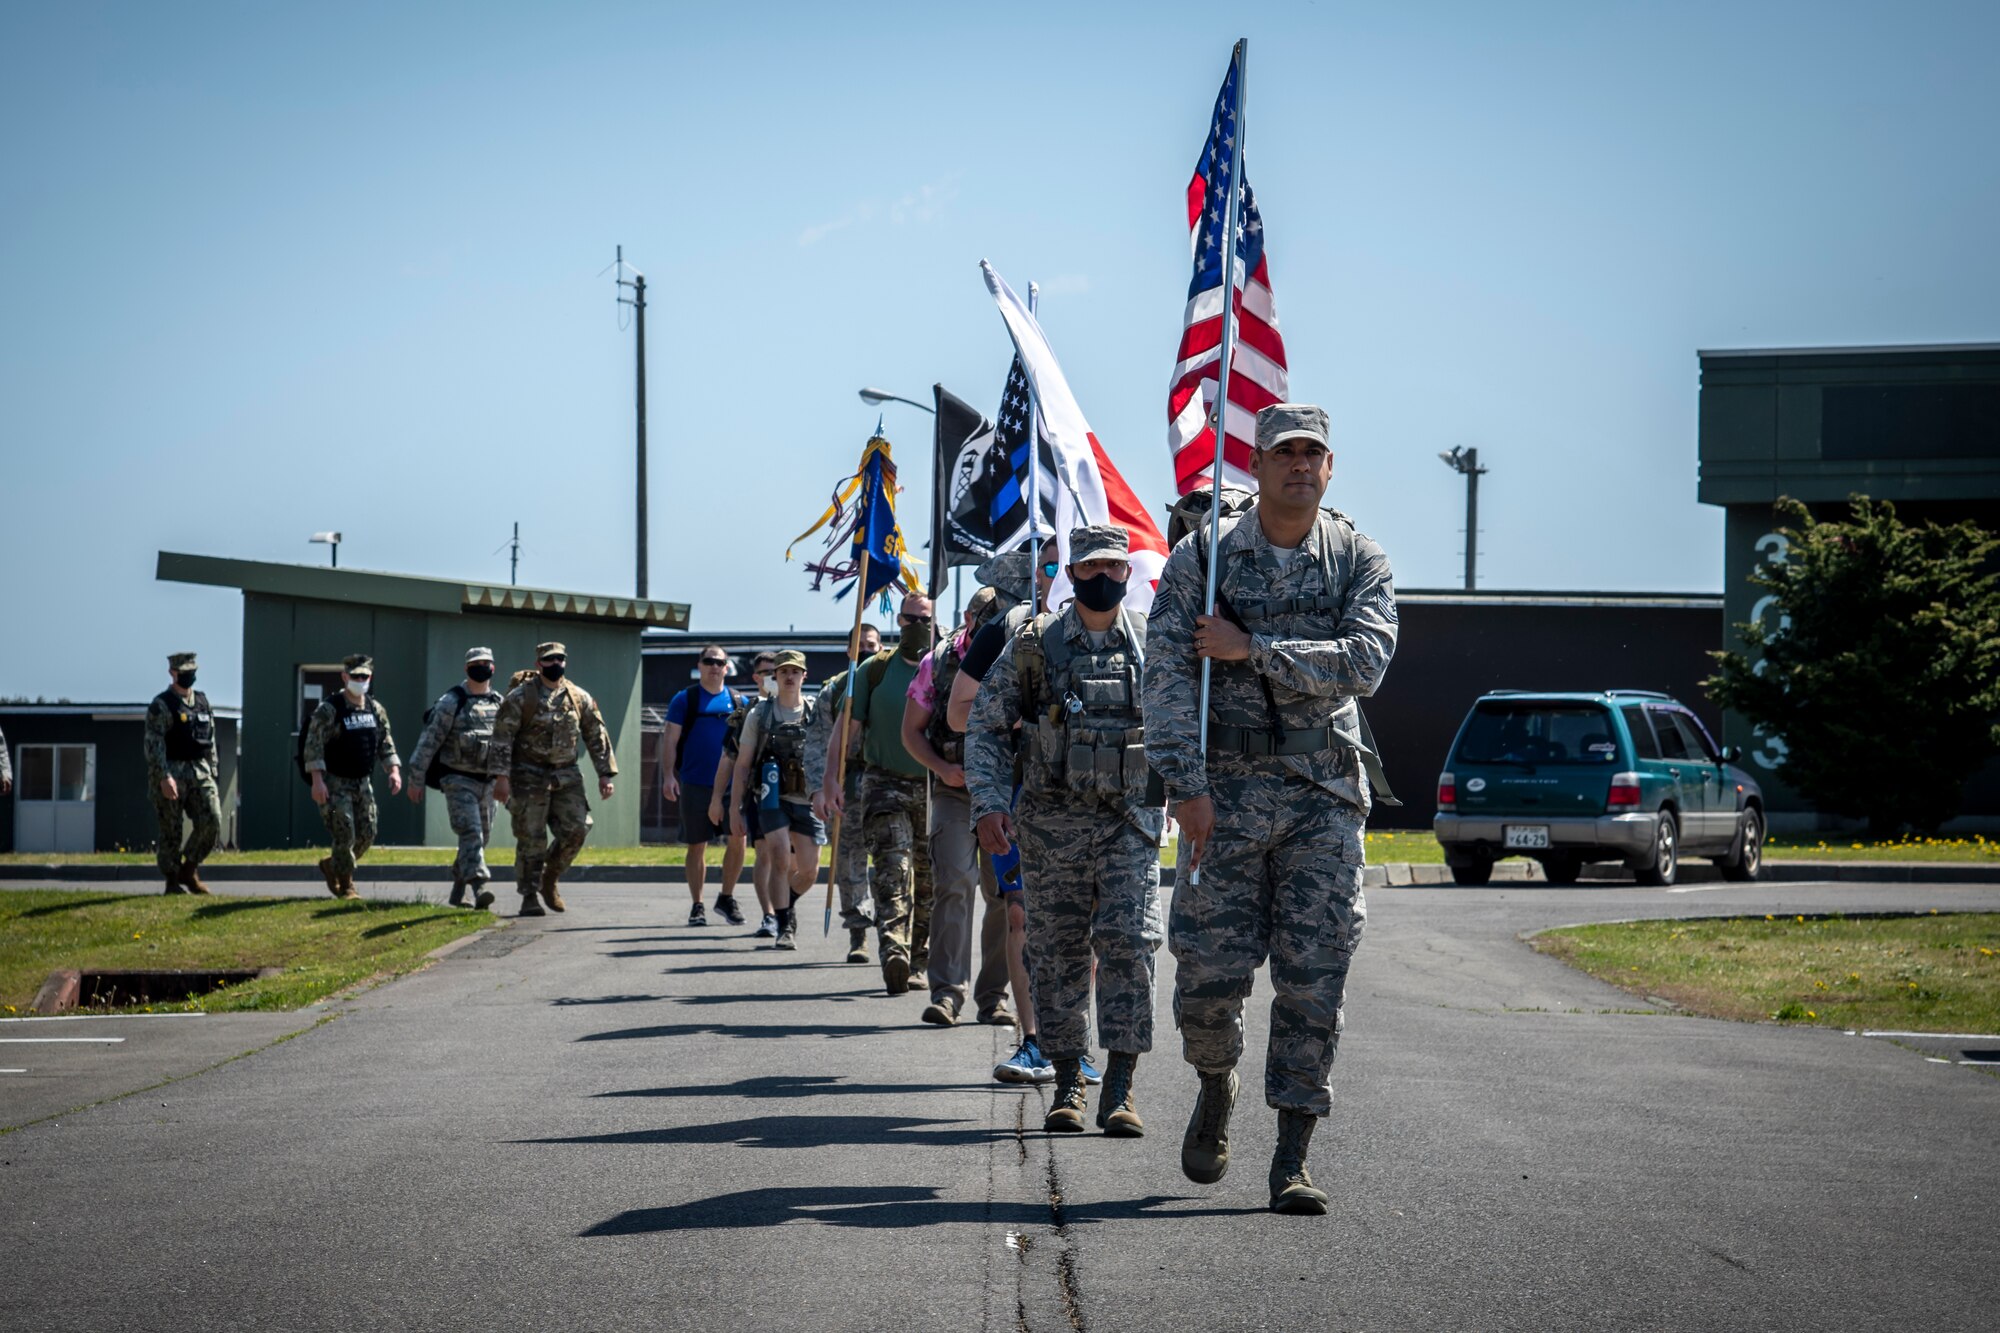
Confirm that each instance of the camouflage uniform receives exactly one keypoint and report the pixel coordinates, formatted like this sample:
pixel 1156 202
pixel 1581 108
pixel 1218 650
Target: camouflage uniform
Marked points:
pixel 1281 875
pixel 180 744
pixel 1090 842
pixel 349 812
pixel 458 737
pixel 850 872
pixel 892 810
pixel 535 743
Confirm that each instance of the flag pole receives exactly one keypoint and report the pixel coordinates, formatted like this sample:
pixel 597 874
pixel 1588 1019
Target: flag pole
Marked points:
pixel 840 753
pixel 1034 472
pixel 1241 58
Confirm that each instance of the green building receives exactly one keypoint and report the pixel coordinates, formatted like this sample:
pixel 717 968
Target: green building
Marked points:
pixel 299 621
pixel 80 780
pixel 1919 426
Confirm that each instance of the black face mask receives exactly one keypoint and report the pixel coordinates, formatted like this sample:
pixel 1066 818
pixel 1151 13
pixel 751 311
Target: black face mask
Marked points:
pixel 184 679
pixel 552 671
pixel 479 671
pixel 916 641
pixel 1100 592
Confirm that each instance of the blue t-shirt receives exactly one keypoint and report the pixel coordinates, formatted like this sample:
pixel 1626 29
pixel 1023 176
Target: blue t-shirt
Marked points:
pixel 701 750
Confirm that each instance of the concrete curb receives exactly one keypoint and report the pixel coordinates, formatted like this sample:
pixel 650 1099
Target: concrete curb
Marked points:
pixel 1392 874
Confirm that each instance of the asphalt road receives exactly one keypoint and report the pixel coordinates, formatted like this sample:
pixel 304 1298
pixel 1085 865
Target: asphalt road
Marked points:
pixel 609 1120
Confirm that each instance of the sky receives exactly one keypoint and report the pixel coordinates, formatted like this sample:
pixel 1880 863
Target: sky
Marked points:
pixel 271 270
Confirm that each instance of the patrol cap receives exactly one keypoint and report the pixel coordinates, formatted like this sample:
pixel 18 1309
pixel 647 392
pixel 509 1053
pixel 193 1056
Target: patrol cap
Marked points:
pixel 988 603
pixel 354 662
pixel 550 649
pixel 181 662
pixel 1009 569
pixel 1290 421
pixel 790 657
pixel 1099 541
pixel 478 655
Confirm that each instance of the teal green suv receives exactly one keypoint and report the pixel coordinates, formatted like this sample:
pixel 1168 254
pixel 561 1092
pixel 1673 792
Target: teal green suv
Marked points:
pixel 1569 779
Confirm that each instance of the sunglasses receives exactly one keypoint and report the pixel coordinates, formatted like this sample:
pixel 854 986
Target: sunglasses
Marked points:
pixel 358 675
pixel 914 620
pixel 1050 569
pixel 715 661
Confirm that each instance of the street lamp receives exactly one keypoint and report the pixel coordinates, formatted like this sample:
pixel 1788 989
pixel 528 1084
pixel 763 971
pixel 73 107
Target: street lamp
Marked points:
pixel 331 539
pixel 876 397
pixel 1466 462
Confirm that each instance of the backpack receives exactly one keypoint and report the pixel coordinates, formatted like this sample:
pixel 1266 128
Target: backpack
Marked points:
pixel 688 698
pixel 434 771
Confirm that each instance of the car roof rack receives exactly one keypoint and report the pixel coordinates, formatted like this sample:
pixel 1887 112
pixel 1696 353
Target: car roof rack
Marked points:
pixel 1643 694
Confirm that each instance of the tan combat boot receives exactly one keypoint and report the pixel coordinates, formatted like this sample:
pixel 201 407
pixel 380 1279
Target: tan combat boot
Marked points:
pixel 191 877
pixel 1205 1148
pixel 332 880
pixel 347 889
pixel 1117 1113
pixel 550 894
pixel 1067 1105
pixel 1291 1188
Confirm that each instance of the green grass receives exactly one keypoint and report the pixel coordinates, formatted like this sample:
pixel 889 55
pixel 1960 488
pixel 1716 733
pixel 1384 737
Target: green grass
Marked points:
pixel 1913 847
pixel 1930 973
pixel 323 945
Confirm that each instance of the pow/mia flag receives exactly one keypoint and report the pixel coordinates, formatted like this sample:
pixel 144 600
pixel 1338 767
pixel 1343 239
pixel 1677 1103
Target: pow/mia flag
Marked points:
pixel 982 472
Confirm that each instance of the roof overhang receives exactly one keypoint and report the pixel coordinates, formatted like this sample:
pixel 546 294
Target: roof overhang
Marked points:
pixel 412 592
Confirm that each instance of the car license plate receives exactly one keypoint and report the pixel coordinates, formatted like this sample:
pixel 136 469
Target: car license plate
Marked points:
pixel 1527 835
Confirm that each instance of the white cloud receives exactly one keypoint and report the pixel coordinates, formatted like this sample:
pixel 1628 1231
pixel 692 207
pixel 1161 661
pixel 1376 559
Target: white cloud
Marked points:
pixel 916 207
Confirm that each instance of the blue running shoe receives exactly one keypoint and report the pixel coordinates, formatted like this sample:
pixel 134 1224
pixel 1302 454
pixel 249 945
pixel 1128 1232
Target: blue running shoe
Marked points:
pixel 1090 1071
pixel 1027 1065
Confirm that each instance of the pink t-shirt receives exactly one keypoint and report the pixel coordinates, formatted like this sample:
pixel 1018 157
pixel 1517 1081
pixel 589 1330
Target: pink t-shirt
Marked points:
pixel 923 691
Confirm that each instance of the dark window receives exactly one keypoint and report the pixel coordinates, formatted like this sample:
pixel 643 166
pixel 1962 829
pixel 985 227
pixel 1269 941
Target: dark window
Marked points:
pixel 1910 421
pixel 1698 744
pixel 1672 744
pixel 1643 742
pixel 1538 733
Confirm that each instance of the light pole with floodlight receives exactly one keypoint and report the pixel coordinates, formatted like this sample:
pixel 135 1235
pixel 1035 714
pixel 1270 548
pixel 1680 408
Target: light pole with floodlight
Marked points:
pixel 1466 462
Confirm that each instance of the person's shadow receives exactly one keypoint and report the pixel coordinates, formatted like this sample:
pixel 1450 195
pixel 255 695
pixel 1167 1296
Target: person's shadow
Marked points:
pixel 884 1206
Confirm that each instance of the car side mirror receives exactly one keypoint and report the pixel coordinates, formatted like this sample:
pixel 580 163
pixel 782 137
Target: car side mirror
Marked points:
pixel 1732 754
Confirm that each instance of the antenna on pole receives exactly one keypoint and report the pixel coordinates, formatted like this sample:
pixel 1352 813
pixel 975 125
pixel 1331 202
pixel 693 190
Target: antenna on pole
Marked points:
pixel 637 300
pixel 514 557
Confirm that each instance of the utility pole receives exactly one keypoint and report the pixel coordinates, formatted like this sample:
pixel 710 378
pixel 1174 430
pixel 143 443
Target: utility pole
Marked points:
pixel 1466 462
pixel 638 303
pixel 514 557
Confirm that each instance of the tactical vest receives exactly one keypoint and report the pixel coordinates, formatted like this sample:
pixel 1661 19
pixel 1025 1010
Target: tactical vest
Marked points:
pixel 465 746
pixel 1337 724
pixel 1082 729
pixel 946 663
pixel 357 738
pixel 551 732
pixel 784 743
pixel 190 726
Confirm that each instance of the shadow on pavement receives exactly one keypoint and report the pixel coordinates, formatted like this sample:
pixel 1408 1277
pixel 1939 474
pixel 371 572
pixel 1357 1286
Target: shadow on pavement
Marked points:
pixel 886 1206
pixel 566 1000
pixel 712 968
pixel 801 1131
pixel 659 953
pixel 745 1030
pixel 768 997
pixel 777 1086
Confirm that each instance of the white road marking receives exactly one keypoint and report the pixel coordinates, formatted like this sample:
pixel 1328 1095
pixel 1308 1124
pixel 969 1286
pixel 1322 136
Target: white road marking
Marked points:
pixel 13 1071
pixel 50 1041
pixel 1940 1036
pixel 83 1018
pixel 1703 888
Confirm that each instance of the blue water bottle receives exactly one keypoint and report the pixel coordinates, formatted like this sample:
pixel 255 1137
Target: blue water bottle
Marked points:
pixel 767 797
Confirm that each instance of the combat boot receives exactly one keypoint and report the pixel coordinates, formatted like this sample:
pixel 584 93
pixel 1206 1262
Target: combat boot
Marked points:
pixel 1117 1114
pixel 530 906
pixel 1205 1147
pixel 347 889
pixel 1291 1188
pixel 457 893
pixel 1067 1105
pixel 857 946
pixel 788 929
pixel 482 897
pixel 192 879
pixel 332 880
pixel 174 884
pixel 895 973
pixel 550 894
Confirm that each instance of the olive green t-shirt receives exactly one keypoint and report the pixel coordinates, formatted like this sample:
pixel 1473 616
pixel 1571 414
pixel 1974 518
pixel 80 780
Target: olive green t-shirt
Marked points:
pixel 880 713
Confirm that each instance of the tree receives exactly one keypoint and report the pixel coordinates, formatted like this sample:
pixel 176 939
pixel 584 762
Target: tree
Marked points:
pixel 1880 670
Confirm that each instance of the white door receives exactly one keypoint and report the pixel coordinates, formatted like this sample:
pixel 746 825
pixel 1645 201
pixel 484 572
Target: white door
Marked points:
pixel 55 799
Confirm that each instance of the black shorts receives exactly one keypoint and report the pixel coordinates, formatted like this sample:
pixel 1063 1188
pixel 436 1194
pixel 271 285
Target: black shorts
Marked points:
pixel 796 816
pixel 694 815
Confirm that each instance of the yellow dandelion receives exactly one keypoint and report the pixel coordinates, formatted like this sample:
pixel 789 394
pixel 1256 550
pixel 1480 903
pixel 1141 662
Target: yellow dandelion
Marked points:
pixel 1812 1013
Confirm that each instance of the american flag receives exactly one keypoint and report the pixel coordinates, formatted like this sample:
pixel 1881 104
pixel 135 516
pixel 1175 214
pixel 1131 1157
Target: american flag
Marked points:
pixel 1257 370
pixel 1010 501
